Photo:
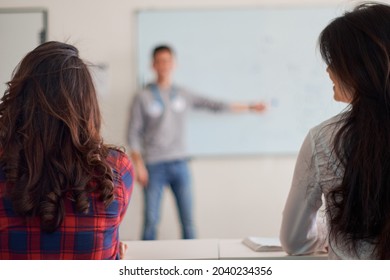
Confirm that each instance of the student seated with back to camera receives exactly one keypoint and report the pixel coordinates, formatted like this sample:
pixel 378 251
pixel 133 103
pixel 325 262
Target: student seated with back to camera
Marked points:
pixel 63 192
pixel 347 158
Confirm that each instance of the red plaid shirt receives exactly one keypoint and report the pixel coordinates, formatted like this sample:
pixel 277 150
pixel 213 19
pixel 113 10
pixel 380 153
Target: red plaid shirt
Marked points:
pixel 81 236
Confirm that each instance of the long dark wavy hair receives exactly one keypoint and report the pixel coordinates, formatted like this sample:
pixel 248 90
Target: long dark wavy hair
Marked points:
pixel 50 143
pixel 356 47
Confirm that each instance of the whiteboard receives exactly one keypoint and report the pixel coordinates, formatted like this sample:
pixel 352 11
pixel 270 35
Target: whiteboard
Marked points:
pixel 245 56
pixel 21 30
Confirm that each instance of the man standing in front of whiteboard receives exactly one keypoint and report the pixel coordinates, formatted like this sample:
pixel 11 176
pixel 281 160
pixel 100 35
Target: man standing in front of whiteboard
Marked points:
pixel 156 137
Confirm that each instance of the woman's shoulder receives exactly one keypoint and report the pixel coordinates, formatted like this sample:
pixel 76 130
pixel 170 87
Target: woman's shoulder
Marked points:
pixel 117 158
pixel 322 135
pixel 122 167
pixel 328 127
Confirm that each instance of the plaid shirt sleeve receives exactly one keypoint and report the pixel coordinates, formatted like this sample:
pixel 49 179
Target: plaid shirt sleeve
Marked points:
pixel 94 235
pixel 125 178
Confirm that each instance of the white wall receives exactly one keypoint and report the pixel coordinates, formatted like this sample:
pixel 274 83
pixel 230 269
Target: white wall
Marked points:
pixel 234 196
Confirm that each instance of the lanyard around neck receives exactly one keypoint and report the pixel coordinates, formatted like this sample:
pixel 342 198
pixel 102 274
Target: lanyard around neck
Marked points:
pixel 157 94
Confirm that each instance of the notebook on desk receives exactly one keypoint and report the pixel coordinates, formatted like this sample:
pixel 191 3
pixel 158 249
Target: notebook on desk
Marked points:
pixel 263 244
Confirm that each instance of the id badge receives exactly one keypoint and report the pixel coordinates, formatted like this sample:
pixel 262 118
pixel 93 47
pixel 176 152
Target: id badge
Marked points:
pixel 155 109
pixel 178 104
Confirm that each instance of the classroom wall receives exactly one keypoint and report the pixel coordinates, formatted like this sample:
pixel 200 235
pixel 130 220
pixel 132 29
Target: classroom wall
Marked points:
pixel 234 196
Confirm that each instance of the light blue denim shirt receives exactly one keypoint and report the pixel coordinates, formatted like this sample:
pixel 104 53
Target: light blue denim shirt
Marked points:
pixel 317 171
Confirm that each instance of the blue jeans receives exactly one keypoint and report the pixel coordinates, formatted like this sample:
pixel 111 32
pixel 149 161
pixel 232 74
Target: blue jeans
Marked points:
pixel 176 175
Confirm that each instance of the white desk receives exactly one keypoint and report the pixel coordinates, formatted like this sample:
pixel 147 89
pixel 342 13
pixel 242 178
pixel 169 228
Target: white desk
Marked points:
pixel 191 249
pixel 233 249
pixel 203 249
